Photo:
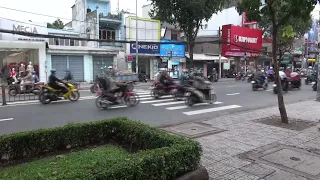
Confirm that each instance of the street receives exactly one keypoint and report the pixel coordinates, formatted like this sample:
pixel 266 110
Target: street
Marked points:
pixel 233 97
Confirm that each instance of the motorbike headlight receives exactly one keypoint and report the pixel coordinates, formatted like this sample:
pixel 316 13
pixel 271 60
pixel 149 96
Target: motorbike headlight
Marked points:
pixel 274 85
pixel 252 82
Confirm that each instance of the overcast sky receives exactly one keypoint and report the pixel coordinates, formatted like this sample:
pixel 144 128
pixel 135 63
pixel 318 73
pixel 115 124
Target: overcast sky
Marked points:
pixel 58 8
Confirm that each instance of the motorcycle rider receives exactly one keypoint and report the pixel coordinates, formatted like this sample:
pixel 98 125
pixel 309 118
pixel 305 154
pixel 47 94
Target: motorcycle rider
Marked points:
pixel 111 87
pixel 259 76
pixel 53 82
pixel 270 73
pixel 27 80
pixel 165 79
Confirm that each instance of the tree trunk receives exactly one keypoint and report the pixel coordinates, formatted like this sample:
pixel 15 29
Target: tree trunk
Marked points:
pixel 281 105
pixel 191 53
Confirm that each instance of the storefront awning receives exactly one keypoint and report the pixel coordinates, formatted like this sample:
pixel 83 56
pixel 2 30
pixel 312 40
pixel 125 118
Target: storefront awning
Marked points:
pixel 203 57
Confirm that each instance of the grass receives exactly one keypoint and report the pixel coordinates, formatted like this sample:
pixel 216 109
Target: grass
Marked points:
pixel 87 161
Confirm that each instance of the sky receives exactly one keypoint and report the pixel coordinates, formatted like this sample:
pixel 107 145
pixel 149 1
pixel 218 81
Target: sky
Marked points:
pixel 56 8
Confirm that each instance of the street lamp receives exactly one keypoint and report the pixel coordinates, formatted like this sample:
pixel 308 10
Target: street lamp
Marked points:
pixel 137 47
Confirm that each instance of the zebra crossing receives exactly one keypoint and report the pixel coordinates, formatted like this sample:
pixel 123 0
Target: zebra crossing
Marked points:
pixel 170 104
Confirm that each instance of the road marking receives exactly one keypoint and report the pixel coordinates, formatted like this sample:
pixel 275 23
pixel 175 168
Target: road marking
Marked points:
pixel 269 89
pixel 8 119
pixel 202 111
pixel 147 98
pixel 117 107
pixel 168 103
pixel 232 94
pixel 155 101
pixel 185 106
pixel 232 86
pixel 144 95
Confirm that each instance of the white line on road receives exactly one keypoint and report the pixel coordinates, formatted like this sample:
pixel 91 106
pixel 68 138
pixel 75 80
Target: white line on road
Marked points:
pixel 232 86
pixel 232 94
pixel 155 101
pixel 269 89
pixel 8 119
pixel 190 113
pixel 168 103
pixel 185 106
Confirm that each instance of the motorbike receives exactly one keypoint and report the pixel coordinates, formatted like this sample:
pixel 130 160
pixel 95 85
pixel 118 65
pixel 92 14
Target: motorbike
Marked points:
pixel 240 76
pixel 314 85
pixel 284 84
pixel 308 80
pixel 143 78
pixel 96 86
pixel 103 100
pixel 15 88
pixel 256 84
pixel 270 78
pixel 49 94
pixel 250 77
pixel 196 96
pixel 157 90
pixel 213 78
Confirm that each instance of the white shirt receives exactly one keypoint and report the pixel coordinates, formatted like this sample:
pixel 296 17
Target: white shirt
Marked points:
pixel 282 75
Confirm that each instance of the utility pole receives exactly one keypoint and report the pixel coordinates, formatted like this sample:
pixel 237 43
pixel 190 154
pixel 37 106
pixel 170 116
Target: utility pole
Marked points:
pixel 219 33
pixel 137 46
pixel 318 76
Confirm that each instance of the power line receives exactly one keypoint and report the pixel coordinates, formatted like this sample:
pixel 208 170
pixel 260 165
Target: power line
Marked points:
pixel 123 41
pixel 56 17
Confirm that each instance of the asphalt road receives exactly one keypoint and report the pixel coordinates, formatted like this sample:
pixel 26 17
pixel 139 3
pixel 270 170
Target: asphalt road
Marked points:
pixel 232 98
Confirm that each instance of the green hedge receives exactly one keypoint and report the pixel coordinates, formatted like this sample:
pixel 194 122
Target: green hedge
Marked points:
pixel 159 155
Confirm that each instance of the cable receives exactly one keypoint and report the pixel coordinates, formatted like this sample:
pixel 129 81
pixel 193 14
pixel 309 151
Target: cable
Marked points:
pixel 123 41
pixel 45 15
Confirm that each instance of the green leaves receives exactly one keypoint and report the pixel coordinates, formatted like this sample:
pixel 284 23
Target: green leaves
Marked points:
pixel 57 24
pixel 187 14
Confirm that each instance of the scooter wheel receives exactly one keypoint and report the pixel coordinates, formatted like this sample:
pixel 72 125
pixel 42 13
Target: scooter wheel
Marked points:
pixel 12 92
pixel 190 100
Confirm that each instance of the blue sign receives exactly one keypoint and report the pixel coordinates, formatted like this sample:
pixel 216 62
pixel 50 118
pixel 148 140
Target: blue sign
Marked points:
pixel 176 50
pixel 145 48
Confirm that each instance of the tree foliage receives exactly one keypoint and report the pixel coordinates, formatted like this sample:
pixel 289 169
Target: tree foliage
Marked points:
pixel 187 14
pixel 280 16
pixel 57 24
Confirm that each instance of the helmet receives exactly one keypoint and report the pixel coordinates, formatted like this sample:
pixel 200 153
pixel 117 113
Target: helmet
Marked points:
pixel 271 67
pixel 310 67
pixel 53 71
pixel 110 67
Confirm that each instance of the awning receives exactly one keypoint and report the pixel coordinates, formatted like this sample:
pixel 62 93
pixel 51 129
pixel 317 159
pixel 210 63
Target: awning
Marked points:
pixel 204 57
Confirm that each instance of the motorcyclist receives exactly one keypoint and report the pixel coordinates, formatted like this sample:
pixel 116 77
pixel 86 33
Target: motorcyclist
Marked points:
pixel 259 76
pixel 54 83
pixel 111 87
pixel 270 74
pixel 27 80
pixel 165 79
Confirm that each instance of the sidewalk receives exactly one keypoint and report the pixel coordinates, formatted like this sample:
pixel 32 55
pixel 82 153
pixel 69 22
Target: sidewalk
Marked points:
pixel 243 148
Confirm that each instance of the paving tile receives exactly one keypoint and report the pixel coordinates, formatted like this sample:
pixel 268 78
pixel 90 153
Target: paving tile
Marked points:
pixel 235 162
pixel 282 175
pixel 258 170
pixel 238 175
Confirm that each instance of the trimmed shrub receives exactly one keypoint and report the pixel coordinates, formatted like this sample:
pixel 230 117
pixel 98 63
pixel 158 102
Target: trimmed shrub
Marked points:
pixel 158 155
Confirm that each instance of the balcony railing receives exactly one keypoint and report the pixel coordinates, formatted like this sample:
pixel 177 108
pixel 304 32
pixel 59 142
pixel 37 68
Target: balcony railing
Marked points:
pixel 114 17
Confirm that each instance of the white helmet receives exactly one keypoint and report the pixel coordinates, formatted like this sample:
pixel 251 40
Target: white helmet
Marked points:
pixel 110 67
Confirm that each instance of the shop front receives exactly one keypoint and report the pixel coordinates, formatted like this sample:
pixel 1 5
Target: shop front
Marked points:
pixel 148 59
pixel 20 53
pixel 241 42
pixel 173 57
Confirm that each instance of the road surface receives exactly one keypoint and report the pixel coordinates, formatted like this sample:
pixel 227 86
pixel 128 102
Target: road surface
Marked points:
pixel 232 98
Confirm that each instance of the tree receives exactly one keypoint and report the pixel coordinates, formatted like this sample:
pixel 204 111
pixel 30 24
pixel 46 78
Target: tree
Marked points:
pixel 277 13
pixel 57 24
pixel 187 14
pixel 288 34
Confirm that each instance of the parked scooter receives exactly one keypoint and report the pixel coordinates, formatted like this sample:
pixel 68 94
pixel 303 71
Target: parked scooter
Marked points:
pixel 16 88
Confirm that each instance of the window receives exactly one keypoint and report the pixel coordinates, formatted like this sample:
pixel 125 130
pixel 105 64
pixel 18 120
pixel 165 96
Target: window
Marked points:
pixel 56 41
pixel 104 35
pixel 113 35
pixel 76 42
pixel 107 34
pixel 67 42
pixel 174 37
pixel 100 33
pixel 61 41
pixel 51 41
pixel 71 42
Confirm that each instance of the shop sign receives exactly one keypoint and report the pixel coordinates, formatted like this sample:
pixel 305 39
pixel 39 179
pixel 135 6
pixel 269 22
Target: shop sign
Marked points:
pixel 28 27
pixel 240 40
pixel 145 48
pixel 172 50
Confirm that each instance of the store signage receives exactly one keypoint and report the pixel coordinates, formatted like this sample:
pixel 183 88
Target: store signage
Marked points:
pixel 145 48
pixel 172 50
pixel 129 59
pixel 28 27
pixel 240 40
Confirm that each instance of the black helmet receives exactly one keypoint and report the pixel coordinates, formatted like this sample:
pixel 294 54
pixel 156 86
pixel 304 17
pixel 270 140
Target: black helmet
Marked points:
pixel 53 71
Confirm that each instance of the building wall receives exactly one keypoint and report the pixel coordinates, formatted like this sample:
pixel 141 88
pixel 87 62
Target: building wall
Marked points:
pixel 226 16
pixel 104 7
pixel 204 48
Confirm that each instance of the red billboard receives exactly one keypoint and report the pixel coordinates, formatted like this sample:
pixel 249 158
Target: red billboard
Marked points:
pixel 237 38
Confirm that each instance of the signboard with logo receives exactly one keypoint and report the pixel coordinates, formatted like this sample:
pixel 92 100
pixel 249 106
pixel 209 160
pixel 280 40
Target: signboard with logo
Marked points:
pixel 176 50
pixel 29 27
pixel 145 48
pixel 237 38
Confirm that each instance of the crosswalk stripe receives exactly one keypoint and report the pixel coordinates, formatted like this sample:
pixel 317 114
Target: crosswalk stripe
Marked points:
pixel 143 93
pixel 147 98
pixel 168 103
pixel 202 111
pixel 185 106
pixel 155 101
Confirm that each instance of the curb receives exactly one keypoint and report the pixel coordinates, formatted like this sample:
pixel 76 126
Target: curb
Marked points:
pixel 199 174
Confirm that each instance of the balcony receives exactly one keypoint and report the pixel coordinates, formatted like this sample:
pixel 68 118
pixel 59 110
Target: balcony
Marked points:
pixel 111 18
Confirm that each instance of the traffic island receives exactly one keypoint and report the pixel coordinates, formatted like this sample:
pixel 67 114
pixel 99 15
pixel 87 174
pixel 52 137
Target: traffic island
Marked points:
pixel 110 149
